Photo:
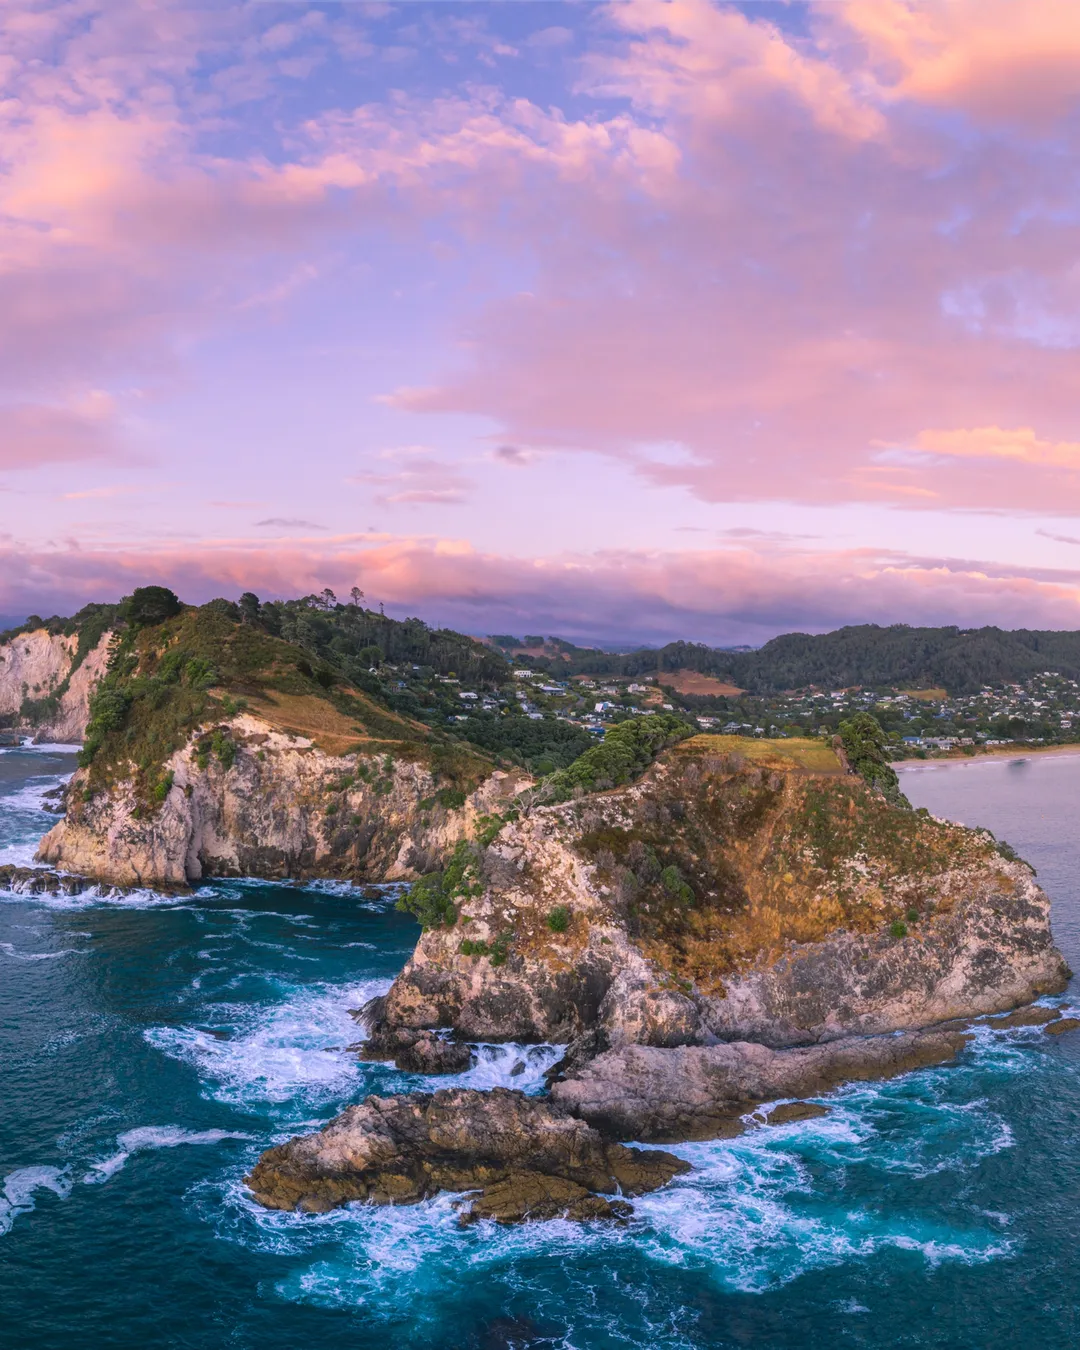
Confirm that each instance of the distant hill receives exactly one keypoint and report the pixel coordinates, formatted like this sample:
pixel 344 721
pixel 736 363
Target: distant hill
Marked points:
pixel 959 659
pixel 352 639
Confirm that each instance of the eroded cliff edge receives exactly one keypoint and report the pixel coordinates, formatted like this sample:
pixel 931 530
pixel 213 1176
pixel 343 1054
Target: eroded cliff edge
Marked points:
pixel 47 679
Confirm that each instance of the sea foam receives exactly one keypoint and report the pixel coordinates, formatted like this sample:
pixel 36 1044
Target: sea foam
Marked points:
pixel 20 1187
pixel 151 1137
pixel 293 1050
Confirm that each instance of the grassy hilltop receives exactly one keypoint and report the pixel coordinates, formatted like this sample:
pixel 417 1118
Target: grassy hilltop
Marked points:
pixel 173 669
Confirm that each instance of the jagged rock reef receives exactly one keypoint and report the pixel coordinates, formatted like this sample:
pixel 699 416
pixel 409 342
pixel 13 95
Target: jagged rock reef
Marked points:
pixel 701 1092
pixel 526 1157
pixel 738 891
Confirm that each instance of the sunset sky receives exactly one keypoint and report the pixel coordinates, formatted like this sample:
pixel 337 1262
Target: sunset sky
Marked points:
pixel 627 321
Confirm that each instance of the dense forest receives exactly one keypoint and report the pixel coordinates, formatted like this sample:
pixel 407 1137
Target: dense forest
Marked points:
pixel 957 659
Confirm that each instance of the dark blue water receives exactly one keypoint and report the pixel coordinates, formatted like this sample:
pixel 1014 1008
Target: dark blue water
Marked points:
pixel 149 1049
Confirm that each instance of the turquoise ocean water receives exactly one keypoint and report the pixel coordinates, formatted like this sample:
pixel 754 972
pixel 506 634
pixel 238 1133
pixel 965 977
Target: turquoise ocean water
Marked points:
pixel 151 1047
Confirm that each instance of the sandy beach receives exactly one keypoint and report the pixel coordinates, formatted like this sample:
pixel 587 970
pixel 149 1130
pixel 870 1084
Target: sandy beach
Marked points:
pixel 1002 752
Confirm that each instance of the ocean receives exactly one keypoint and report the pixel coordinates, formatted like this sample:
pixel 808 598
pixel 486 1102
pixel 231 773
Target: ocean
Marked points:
pixel 151 1047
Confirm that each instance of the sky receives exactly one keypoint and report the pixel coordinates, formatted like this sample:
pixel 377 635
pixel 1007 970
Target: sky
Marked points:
pixel 625 321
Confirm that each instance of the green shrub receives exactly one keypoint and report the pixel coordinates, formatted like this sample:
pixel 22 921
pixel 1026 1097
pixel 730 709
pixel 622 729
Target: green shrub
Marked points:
pixel 898 928
pixel 864 745
pixel 559 919
pixel 625 752
pixel 427 901
pixel 108 712
pixel 500 949
pixel 224 748
pixel 149 605
pixel 450 798
pixel 489 829
pixel 913 916
pixel 163 787
pixel 676 885
pixel 477 948
pixel 433 900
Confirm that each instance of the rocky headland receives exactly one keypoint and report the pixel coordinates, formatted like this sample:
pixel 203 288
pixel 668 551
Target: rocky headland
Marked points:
pixel 745 926
pixel 214 749
pixel 710 926
pixel 47 680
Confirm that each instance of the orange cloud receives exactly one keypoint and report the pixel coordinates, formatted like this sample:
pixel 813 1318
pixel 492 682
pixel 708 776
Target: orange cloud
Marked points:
pixel 1020 445
pixel 997 59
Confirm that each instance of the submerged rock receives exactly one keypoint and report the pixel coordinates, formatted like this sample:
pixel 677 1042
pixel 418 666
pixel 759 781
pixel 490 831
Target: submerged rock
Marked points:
pixel 1024 1017
pixel 700 1092
pixel 1061 1025
pixel 399 1150
pixel 789 1113
pixel 528 1196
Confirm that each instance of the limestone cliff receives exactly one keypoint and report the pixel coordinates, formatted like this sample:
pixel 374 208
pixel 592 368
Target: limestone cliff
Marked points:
pixel 738 891
pixel 46 674
pixel 273 804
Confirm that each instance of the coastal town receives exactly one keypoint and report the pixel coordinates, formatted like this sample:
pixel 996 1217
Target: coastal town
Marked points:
pixel 1042 710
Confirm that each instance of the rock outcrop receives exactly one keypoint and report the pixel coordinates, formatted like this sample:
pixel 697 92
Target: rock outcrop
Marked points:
pixel 733 895
pixel 525 1156
pixel 701 1092
pixel 415 1051
pixel 34 666
pixel 279 806
pixel 41 881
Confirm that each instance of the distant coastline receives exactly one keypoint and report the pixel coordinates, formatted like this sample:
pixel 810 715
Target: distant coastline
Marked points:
pixel 1005 752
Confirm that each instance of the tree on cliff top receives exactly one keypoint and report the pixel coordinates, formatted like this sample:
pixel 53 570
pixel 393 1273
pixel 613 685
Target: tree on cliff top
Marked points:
pixel 147 605
pixel 863 742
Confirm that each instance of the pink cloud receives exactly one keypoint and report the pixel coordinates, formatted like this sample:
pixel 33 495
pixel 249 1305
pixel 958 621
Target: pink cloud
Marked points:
pixel 415 477
pixel 35 434
pixel 816 273
pixel 769 250
pixel 747 592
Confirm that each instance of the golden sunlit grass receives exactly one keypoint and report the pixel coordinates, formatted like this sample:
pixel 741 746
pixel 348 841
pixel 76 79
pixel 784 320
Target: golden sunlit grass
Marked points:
pixel 799 753
pixel 927 695
pixel 331 730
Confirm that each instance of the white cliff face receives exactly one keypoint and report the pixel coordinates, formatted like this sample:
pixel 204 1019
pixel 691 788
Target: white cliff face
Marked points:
pixel 35 665
pixel 554 984
pixel 282 808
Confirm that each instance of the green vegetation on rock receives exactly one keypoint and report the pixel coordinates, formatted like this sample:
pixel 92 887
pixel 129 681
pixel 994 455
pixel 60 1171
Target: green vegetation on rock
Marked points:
pixel 433 900
pixel 624 753
pixel 202 666
pixel 864 745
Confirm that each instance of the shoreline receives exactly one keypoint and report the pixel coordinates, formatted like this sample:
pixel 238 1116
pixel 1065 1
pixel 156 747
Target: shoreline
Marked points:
pixel 1002 753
